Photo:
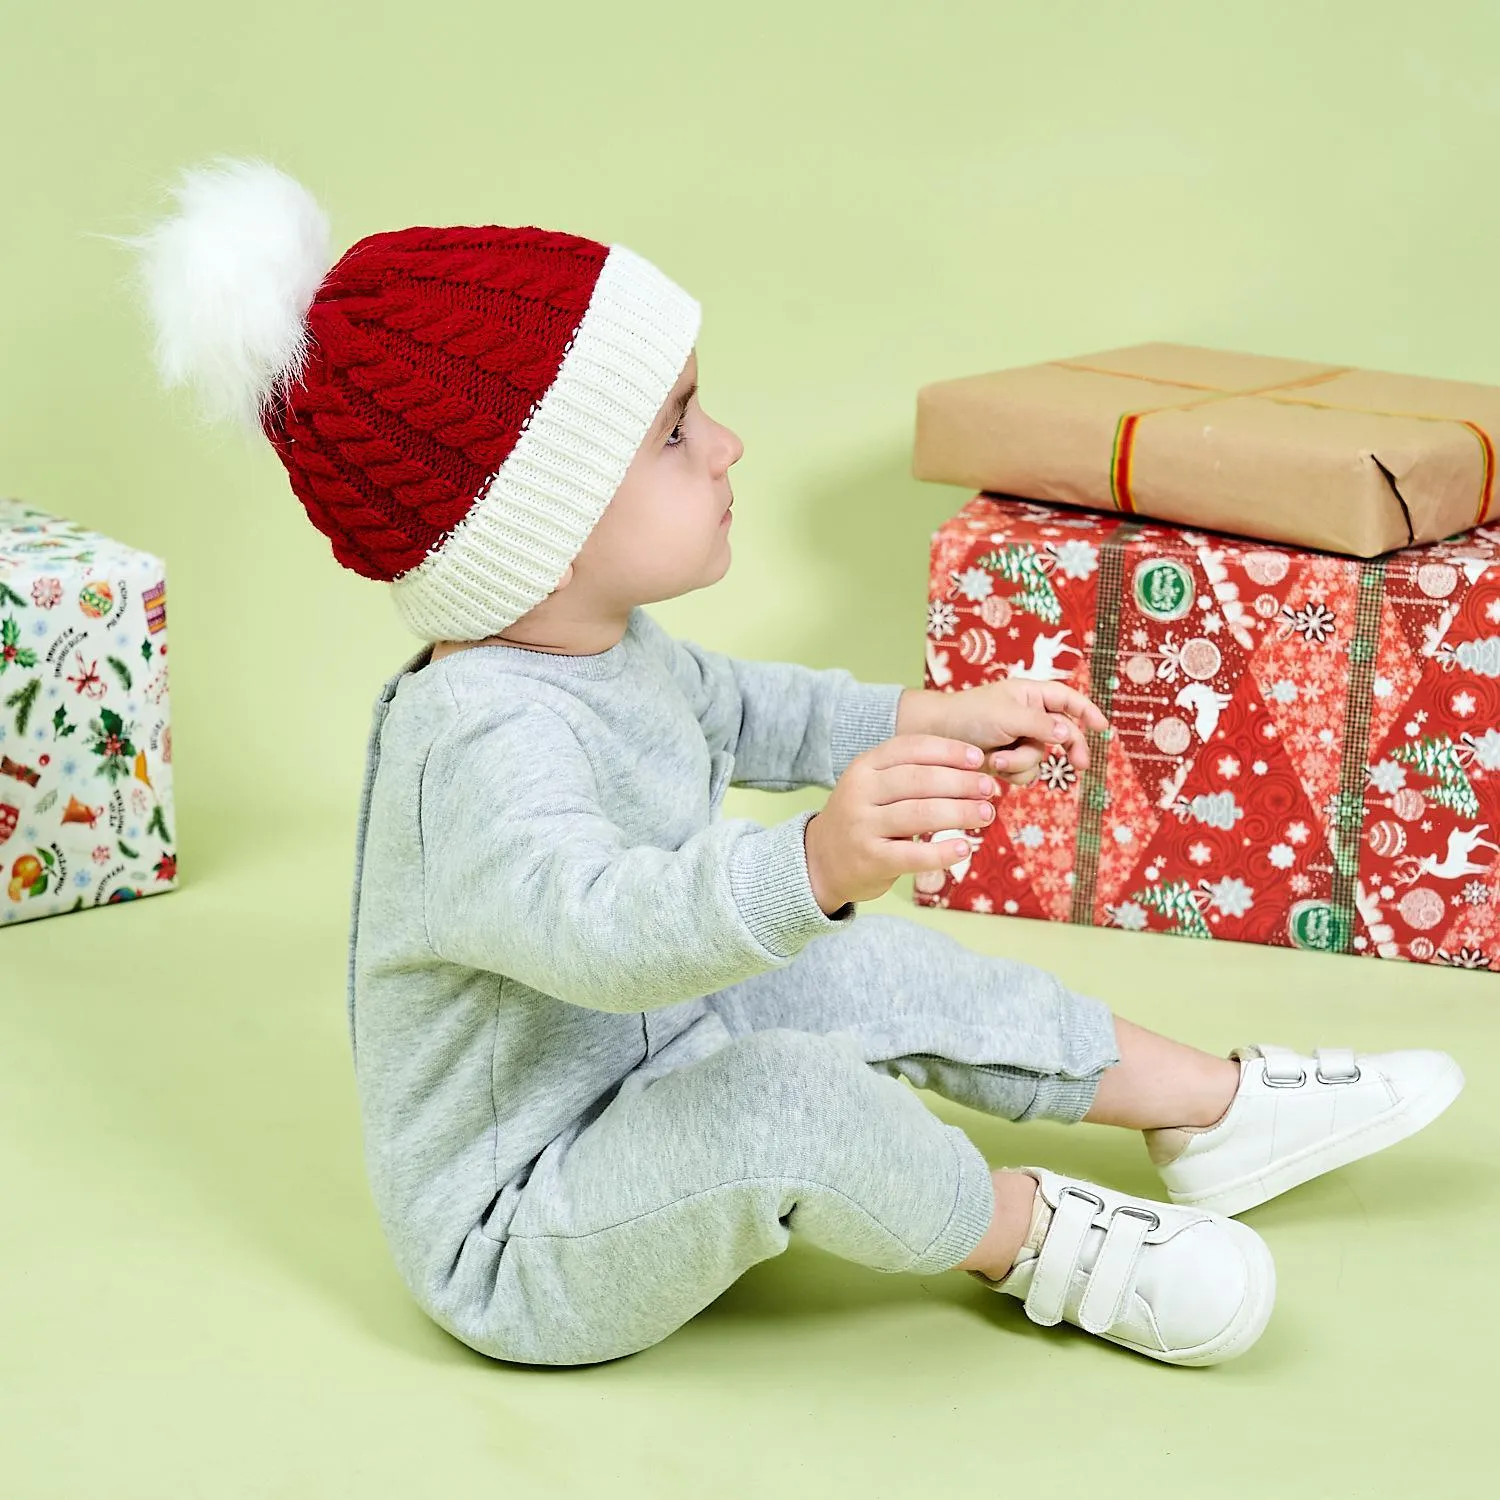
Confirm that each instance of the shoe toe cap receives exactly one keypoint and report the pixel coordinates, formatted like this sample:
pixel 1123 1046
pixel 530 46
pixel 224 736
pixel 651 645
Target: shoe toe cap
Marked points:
pixel 1197 1285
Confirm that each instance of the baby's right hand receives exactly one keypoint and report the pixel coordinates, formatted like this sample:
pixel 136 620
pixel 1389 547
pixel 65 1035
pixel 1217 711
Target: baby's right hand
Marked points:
pixel 863 839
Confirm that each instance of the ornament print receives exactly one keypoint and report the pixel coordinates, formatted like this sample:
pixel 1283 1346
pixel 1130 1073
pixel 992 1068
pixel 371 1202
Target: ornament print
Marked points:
pixel 85 745
pixel 1305 748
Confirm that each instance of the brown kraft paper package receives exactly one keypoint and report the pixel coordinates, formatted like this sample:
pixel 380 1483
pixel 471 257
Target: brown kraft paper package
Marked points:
pixel 1322 456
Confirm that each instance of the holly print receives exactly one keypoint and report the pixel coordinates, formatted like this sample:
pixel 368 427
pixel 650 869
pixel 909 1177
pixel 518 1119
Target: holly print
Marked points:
pixel 11 649
pixel 112 744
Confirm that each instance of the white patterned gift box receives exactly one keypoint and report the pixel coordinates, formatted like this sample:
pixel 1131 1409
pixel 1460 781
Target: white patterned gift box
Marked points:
pixel 86 815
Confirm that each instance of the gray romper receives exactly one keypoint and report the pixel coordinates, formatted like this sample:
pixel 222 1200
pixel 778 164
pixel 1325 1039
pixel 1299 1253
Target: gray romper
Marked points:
pixel 610 1052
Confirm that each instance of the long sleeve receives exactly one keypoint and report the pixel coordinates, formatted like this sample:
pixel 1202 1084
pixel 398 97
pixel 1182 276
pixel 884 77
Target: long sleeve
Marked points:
pixel 524 875
pixel 786 725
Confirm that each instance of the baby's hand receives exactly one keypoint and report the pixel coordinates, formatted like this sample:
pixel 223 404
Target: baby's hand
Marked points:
pixel 864 839
pixel 1021 722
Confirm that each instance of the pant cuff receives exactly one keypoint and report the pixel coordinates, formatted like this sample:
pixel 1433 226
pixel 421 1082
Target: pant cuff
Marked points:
pixel 1089 1047
pixel 973 1210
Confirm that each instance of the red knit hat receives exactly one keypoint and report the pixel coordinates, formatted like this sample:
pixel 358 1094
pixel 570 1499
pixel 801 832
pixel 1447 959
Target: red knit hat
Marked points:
pixel 455 407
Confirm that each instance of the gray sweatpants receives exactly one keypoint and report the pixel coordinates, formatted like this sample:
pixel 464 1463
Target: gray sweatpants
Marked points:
pixel 778 1111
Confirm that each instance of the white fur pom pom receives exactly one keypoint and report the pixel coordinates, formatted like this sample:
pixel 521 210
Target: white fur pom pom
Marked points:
pixel 229 281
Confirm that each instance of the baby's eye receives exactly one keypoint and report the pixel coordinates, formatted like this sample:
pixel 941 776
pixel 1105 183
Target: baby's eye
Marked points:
pixel 677 429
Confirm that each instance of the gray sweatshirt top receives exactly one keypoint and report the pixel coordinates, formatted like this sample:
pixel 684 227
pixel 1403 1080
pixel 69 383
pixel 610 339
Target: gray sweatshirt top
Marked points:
pixel 542 883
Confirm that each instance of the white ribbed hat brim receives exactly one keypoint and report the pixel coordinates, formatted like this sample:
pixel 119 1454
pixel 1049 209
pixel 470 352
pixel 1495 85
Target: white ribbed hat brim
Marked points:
pixel 537 511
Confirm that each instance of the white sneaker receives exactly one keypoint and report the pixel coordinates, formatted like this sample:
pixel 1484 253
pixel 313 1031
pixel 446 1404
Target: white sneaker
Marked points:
pixel 1296 1117
pixel 1180 1285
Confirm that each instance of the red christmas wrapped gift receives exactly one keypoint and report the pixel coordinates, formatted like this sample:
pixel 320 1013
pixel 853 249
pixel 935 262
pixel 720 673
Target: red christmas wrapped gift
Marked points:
pixel 1305 748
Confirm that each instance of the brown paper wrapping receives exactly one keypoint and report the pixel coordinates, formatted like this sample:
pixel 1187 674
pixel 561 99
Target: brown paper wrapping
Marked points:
pixel 1344 460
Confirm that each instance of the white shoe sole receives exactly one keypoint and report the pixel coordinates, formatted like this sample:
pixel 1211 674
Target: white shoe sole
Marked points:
pixel 1332 1152
pixel 1249 1323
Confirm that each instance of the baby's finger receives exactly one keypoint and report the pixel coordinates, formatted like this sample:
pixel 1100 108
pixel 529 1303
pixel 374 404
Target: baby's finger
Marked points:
pixel 1059 698
pixel 1078 751
pixel 1020 757
pixel 1023 778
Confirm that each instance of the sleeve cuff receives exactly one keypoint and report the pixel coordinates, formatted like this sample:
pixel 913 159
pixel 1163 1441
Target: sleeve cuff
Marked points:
pixel 864 715
pixel 768 876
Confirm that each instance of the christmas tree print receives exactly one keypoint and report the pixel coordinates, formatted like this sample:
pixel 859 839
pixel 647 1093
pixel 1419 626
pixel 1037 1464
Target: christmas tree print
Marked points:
pixel 112 745
pixel 1021 564
pixel 23 700
pixel 11 597
pixel 1436 757
pixel 1173 900
pixel 11 649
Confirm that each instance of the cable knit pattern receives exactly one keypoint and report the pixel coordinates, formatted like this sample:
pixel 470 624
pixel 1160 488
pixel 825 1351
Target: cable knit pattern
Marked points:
pixel 470 402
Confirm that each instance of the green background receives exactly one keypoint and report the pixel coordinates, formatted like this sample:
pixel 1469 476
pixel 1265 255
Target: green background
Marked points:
pixel 194 1297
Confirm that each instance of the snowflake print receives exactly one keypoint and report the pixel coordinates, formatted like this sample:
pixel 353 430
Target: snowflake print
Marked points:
pixel 101 854
pixel 981 903
pixel 1260 767
pixel 1011 908
pixel 1382 687
pixel 1300 884
pixel 1463 705
pixel 1475 893
pixel 1139 639
pixel 1281 856
pixel 1389 776
pixel 1030 836
pixel 1314 622
pixel 973 583
pixel 1297 833
pixel 1492 611
pixel 1464 958
pixel 1283 691
pixel 46 593
pixel 1075 559
pixel 1128 914
pixel 1229 768
pixel 1056 773
pixel 1231 896
pixel 1200 854
pixel 942 618
pixel 1212 624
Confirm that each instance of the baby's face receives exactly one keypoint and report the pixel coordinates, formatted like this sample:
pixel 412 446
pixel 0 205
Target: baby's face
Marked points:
pixel 666 531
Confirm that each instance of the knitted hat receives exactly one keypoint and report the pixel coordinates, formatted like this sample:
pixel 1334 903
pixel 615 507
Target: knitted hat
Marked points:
pixel 454 407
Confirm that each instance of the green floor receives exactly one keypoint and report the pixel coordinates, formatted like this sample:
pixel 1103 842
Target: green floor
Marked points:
pixel 197 1300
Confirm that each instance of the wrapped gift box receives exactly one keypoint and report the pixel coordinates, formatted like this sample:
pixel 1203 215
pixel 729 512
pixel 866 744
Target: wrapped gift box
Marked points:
pixel 86 813
pixel 1305 749
pixel 1321 456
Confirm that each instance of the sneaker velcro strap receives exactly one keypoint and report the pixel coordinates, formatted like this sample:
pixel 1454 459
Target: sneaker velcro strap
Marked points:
pixel 1061 1251
pixel 1113 1277
pixel 1336 1065
pixel 1284 1068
